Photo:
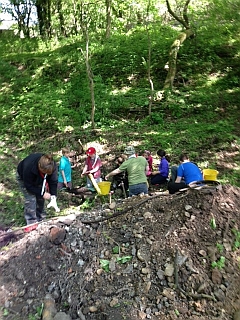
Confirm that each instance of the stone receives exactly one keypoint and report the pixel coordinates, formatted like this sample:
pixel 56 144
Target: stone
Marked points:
pixel 203 253
pixel 160 274
pixel 169 270
pixel 62 316
pixel 188 207
pixel 147 215
pixel 146 270
pixel 113 302
pixel 57 235
pixel 216 276
pixel 93 309
pixel 168 293
pixel 219 294
pixel 141 315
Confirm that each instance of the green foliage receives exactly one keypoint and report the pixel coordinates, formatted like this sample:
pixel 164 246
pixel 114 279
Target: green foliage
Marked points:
pixel 220 247
pixel 122 260
pixel 104 264
pixel 213 223
pixel 219 263
pixel 5 312
pixel 236 244
pixel 115 249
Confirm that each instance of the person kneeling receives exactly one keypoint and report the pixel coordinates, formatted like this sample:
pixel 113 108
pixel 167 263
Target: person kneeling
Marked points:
pixel 187 173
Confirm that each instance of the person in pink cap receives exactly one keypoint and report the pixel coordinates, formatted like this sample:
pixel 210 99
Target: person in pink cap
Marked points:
pixel 92 165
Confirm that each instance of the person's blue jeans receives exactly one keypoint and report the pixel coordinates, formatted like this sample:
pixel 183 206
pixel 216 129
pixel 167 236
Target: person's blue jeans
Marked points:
pixel 33 206
pixel 136 189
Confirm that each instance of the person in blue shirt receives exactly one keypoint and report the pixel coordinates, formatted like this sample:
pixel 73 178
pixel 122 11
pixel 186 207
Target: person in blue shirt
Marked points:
pixel 65 170
pixel 160 176
pixel 188 174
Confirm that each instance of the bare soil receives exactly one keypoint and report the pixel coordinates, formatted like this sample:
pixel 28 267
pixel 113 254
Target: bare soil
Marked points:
pixel 148 258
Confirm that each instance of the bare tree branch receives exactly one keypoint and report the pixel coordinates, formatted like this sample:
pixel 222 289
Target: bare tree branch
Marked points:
pixel 184 21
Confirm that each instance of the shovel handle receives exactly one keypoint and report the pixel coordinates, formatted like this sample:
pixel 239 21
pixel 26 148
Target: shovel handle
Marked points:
pixel 94 183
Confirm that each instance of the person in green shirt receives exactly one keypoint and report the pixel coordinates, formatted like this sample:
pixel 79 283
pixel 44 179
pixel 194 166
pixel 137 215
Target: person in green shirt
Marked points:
pixel 137 169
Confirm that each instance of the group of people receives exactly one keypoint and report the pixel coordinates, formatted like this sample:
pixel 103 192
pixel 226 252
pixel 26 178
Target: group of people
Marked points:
pixel 140 170
pixel 39 177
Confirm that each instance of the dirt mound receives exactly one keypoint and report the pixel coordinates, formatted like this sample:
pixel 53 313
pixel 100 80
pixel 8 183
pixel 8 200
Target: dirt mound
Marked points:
pixel 158 257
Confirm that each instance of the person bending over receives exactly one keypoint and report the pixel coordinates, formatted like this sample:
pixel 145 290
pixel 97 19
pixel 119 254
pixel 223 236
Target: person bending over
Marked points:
pixel 137 169
pixel 92 165
pixel 37 177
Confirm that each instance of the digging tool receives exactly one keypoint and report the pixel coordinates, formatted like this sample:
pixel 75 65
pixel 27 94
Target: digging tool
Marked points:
pixel 44 184
pixel 94 183
pixel 124 191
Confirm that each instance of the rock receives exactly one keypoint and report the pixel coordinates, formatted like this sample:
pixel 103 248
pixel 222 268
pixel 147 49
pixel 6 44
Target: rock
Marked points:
pixel 68 220
pixel 160 274
pixel 57 235
pixel 227 246
pixel 193 217
pixel 49 310
pixel 202 287
pixel 147 215
pixel 168 293
pixel 188 207
pixel 141 315
pixel 112 205
pixel 112 265
pixel 169 270
pixel 211 253
pixel 99 272
pixel 148 286
pixel 203 253
pixel 62 316
pixel 146 270
pixel 93 309
pixel 219 294
pixel 216 276
pixel 113 302
pixel 143 254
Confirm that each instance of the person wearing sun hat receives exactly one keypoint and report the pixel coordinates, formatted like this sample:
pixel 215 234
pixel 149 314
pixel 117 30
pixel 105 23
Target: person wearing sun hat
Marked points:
pixel 137 169
pixel 92 165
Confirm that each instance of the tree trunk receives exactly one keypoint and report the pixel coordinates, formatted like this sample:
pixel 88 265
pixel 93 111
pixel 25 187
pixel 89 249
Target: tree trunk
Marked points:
pixel 61 18
pixel 171 65
pixel 108 16
pixel 44 17
pixel 172 62
pixel 90 78
pixel 151 96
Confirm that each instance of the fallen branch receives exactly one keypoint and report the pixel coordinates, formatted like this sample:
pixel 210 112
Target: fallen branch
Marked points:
pixel 116 214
